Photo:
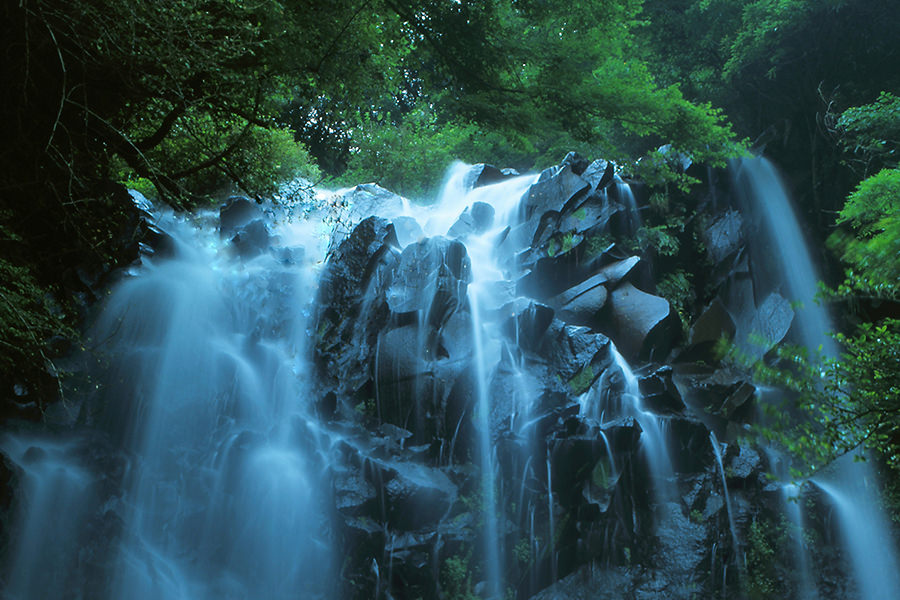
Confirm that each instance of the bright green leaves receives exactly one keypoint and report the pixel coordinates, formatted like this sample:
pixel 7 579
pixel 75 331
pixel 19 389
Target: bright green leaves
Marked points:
pixel 873 211
pixel 871 133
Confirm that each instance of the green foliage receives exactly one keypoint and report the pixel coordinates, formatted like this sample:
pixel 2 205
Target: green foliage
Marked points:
pixel 761 562
pixel 871 133
pixel 522 552
pixel 873 212
pixel 411 156
pixel 28 319
pixel 582 380
pixel 842 404
pixel 676 287
pixel 456 579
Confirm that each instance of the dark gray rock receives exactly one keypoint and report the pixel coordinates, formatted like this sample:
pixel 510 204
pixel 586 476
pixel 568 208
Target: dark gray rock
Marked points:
pixel 659 392
pixel 527 322
pixel 482 216
pixel 589 218
pixel 236 212
pixel 431 278
pixel 743 462
pixel 771 322
pixel 553 190
pixel 353 494
pixel 351 305
pixel 251 239
pixel 370 199
pixel 481 175
pixel 599 174
pixel 581 304
pixel 738 405
pixel 714 324
pixel 644 325
pixel 592 583
pixel 576 355
pixel 474 220
pixel 417 497
pixel 408 231
pixel 576 162
pixel 724 237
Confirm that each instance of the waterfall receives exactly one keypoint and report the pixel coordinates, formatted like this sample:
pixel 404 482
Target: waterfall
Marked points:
pixel 735 544
pixel 203 384
pixel 435 405
pixel 851 484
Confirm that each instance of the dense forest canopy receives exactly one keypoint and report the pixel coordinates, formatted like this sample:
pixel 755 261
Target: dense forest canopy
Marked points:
pixel 185 99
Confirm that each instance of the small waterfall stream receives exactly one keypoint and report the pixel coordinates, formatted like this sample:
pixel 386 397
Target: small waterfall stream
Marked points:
pixel 850 484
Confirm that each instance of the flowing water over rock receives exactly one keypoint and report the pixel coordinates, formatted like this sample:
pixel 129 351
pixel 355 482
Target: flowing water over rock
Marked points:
pixel 202 387
pixel 481 397
pixel 852 485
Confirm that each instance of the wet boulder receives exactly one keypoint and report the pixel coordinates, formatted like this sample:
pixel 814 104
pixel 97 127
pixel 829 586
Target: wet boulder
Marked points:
pixel 431 278
pixel 724 237
pixel 351 305
pixel 251 239
pixel 415 371
pixel 475 219
pixel 527 322
pixel 416 496
pixel 588 218
pixel 576 355
pixel 644 325
pixel 771 322
pixel 738 405
pixel 553 190
pixel 659 392
pixel 481 175
pixel 690 447
pixel 353 494
pixel 714 324
pixel 599 174
pixel 407 230
pixel 581 304
pixel 576 162
pixel 235 213
pixel 370 199
pixel 743 463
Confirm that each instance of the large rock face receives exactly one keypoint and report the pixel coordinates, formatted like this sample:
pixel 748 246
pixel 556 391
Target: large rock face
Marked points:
pixel 523 386
pixel 398 340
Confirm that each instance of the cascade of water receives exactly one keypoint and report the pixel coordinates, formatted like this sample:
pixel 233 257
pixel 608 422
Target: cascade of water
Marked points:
pixel 735 544
pixel 652 435
pixel 626 196
pixel 483 295
pixel 806 588
pixel 492 542
pixel 552 523
pixel 764 194
pixel 864 531
pixel 203 385
pixel 613 474
pixel 60 493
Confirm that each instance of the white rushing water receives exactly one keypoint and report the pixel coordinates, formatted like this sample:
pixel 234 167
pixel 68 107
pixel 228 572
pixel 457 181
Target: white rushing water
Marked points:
pixel 485 292
pixel 852 485
pixel 207 358
pixel 203 382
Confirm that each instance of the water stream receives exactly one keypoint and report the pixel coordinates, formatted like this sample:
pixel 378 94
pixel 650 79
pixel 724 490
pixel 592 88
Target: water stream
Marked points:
pixel 200 376
pixel 850 484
